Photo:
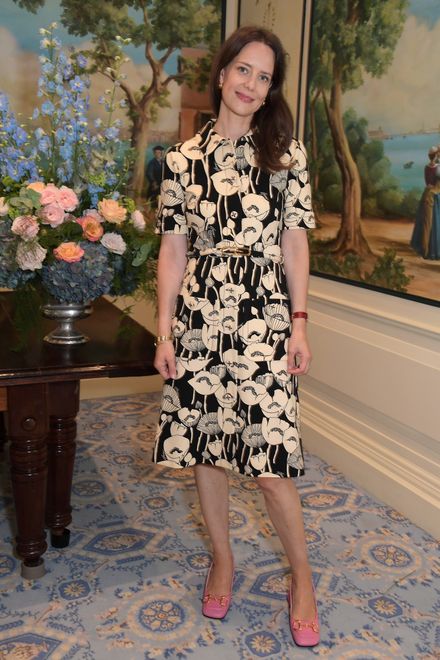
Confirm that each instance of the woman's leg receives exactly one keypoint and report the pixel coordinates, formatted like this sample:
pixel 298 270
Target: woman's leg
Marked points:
pixel 284 508
pixel 213 488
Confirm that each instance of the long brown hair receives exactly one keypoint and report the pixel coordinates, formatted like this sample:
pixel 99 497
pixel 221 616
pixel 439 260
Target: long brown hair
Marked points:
pixel 273 121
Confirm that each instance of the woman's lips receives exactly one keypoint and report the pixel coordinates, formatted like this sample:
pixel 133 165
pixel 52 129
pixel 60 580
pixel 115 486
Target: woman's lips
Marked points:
pixel 244 98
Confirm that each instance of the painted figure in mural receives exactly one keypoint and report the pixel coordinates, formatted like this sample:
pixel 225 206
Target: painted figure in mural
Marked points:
pixel 233 267
pixel 154 173
pixel 425 239
pixel 430 168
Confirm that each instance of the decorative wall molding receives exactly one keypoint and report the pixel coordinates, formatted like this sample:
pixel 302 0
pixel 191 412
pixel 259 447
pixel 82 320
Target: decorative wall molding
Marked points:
pixel 370 404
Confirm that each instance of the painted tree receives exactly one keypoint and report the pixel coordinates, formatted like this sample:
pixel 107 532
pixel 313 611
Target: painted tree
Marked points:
pixel 350 38
pixel 158 26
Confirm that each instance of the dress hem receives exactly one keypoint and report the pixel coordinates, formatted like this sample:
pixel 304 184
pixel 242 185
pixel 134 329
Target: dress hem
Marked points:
pixel 266 475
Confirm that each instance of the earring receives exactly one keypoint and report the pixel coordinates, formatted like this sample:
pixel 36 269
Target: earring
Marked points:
pixel 220 85
pixel 264 102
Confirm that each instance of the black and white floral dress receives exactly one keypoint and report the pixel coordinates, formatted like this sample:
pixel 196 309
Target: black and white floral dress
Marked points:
pixel 232 404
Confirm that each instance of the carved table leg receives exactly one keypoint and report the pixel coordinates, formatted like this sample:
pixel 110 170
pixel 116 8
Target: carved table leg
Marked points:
pixel 28 427
pixel 63 409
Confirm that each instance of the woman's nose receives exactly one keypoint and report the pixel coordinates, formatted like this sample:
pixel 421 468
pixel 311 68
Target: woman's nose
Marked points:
pixel 250 82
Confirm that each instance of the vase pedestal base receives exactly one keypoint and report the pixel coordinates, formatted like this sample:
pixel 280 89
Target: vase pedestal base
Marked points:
pixel 66 314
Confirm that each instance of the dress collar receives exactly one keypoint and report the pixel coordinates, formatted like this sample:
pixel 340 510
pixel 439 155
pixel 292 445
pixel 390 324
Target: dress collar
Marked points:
pixel 209 136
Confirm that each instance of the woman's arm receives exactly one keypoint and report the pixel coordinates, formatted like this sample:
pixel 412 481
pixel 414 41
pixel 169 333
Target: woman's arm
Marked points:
pixel 170 269
pixel 295 250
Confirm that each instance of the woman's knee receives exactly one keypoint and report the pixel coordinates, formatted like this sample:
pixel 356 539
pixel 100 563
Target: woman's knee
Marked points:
pixel 275 487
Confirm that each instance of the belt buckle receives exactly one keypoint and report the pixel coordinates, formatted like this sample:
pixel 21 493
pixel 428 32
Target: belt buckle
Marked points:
pixel 235 250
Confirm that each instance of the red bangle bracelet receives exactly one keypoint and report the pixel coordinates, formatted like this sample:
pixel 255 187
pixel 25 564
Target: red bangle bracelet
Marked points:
pixel 299 315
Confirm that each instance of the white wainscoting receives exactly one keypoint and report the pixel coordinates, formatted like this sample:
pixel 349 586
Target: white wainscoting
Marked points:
pixel 371 403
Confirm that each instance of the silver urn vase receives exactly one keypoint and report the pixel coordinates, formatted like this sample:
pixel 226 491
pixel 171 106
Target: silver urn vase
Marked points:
pixel 66 314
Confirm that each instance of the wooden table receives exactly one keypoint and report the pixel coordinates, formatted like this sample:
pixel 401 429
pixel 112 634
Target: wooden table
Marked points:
pixel 42 385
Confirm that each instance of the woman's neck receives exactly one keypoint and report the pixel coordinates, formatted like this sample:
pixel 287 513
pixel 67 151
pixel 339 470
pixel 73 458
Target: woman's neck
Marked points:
pixel 230 125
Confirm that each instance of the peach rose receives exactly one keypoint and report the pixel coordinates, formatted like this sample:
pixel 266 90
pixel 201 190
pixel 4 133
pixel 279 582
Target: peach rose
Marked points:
pixel 67 198
pixel 49 195
pixel 92 228
pixel 25 226
pixel 112 211
pixel 52 214
pixel 38 186
pixel 69 252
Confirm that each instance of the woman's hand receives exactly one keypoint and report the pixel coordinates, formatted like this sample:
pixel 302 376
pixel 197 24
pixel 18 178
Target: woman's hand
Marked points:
pixel 165 360
pixel 299 355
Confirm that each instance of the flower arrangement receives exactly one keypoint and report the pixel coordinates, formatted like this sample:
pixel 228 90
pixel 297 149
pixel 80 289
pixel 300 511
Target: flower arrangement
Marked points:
pixel 67 230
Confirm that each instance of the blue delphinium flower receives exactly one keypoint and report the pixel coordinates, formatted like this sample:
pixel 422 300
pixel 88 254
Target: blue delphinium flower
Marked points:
pixel 16 158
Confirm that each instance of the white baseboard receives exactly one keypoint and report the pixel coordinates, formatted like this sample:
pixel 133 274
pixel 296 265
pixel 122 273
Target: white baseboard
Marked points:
pixel 374 452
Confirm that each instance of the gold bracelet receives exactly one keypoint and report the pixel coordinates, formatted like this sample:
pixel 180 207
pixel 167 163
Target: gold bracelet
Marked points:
pixel 161 339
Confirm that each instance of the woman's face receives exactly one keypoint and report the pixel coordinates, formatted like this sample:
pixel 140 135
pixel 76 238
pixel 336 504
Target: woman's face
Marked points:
pixel 246 80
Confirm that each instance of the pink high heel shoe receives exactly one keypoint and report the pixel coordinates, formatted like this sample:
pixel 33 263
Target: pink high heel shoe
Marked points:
pixel 304 633
pixel 216 607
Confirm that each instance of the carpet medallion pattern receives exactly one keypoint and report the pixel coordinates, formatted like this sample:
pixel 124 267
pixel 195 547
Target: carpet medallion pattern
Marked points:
pixel 129 585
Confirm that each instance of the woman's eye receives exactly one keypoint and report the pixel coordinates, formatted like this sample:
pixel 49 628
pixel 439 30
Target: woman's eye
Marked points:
pixel 242 69
pixel 265 79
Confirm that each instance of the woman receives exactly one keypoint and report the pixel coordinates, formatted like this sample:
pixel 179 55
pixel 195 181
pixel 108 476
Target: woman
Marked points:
pixel 231 315
pixel 425 239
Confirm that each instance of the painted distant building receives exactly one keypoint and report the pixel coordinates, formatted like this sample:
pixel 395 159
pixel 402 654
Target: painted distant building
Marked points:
pixel 378 134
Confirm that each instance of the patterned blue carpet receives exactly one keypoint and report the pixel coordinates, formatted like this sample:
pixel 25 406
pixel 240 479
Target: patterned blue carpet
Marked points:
pixel 129 585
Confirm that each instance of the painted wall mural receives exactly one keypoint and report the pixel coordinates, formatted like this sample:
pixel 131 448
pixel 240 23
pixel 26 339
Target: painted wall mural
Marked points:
pixel 168 54
pixel 373 135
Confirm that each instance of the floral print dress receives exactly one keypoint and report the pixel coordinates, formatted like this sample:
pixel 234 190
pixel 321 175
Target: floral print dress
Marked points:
pixel 232 404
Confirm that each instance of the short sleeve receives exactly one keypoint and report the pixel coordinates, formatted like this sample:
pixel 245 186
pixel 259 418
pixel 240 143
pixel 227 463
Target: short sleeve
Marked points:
pixel 171 217
pixel 298 210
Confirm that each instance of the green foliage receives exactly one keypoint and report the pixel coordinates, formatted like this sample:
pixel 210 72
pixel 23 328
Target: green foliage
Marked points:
pixel 389 272
pixel 332 197
pixel 390 201
pixel 31 5
pixel 370 208
pixel 410 202
pixel 354 38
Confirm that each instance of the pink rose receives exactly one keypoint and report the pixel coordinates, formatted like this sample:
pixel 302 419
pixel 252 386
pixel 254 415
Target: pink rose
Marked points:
pixel 38 186
pixel 67 199
pixel 52 214
pixel 25 226
pixel 49 194
pixel 138 220
pixel 30 255
pixel 92 228
pixel 69 252
pixel 114 242
pixel 112 211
